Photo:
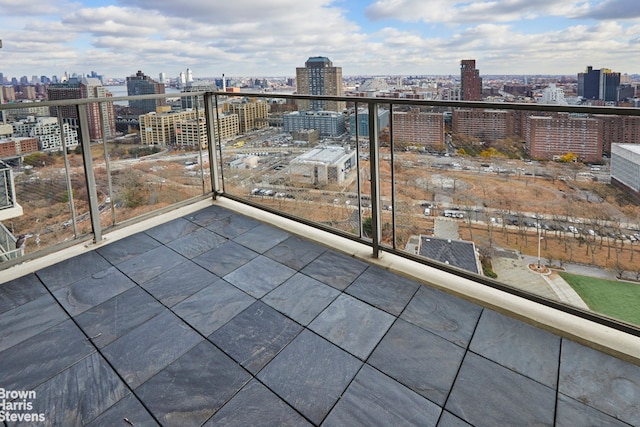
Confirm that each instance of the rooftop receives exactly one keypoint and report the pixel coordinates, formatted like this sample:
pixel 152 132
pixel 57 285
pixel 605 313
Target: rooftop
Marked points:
pixel 225 316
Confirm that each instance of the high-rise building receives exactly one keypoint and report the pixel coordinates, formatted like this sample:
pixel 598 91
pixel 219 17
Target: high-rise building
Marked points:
pixel 252 114
pixel 598 84
pixel 609 84
pixel 319 77
pixel 416 128
pixel 471 80
pixel 140 84
pixel 487 125
pixel 550 137
pixel 101 116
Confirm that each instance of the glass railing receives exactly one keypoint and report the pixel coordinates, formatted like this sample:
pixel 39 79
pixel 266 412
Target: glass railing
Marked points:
pixel 523 197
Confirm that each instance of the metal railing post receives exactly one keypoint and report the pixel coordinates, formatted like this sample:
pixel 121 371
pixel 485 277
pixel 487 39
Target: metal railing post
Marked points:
pixel 210 114
pixel 90 178
pixel 67 170
pixel 104 124
pixel 374 165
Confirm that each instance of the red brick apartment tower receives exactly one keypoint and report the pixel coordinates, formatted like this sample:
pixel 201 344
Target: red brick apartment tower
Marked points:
pixel 471 80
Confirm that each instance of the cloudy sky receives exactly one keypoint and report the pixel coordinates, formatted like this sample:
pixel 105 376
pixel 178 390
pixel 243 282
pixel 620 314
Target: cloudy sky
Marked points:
pixel 272 37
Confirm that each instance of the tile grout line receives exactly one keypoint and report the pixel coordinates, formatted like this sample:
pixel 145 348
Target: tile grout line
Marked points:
pixel 98 350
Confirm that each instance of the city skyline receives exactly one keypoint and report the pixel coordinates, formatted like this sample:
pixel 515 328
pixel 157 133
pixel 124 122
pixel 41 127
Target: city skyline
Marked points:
pixel 273 37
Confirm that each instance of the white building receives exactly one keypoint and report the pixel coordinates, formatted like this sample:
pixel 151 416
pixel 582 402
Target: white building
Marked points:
pixel 625 168
pixel 47 131
pixel 322 165
pixel 553 95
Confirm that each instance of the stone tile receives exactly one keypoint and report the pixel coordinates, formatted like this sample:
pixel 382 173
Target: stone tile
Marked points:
pixel 261 238
pixel 335 269
pixel 295 252
pixel 117 316
pixel 151 264
pixel 301 298
pixel 43 356
pixel 149 348
pixel 28 320
pixel 194 387
pixel 450 317
pixel 259 276
pixel 93 290
pixel 449 420
pixel 374 399
pixel 127 248
pixel 383 289
pixel 256 406
pixel 20 291
pixel 71 270
pixel 233 225
pixel 424 362
pixel 212 307
pixel 516 345
pixel 172 230
pixel 352 325
pixel 208 215
pixel 603 382
pixel 310 374
pixel 487 394
pixel 225 258
pixel 196 243
pixel 570 412
pixel 255 336
pixel 78 394
pixel 128 408
pixel 179 282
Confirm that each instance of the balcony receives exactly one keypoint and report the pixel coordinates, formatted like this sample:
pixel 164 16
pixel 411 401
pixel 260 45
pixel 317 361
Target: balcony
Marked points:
pixel 238 308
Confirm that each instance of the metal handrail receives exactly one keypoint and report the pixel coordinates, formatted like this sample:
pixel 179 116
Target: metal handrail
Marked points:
pixel 211 111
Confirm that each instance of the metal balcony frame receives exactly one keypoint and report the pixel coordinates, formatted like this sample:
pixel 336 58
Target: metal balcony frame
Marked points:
pixel 217 175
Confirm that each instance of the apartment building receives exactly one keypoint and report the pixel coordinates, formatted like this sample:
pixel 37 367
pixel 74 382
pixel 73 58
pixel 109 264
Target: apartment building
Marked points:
pixel 550 137
pixel 319 77
pixel 252 114
pixel 418 128
pixel 487 125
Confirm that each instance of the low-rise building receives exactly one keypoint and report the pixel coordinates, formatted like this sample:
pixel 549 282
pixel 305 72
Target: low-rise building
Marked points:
pixel 322 165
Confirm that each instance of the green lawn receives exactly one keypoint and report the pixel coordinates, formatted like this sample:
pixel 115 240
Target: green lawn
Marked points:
pixel 620 300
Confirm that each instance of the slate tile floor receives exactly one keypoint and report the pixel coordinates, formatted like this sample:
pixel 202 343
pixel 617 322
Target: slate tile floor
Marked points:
pixel 218 319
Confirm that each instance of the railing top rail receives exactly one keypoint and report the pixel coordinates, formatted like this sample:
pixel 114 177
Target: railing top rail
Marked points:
pixel 579 109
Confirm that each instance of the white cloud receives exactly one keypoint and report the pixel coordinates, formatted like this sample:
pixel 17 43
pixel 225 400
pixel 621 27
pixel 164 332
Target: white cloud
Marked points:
pixel 272 37
pixel 464 11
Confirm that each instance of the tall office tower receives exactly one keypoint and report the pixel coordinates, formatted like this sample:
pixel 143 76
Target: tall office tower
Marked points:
pixel 101 116
pixel 189 76
pixel 471 80
pixel 162 78
pixel 589 83
pixel 319 77
pixel 598 84
pixel 609 84
pixel 182 79
pixel 144 85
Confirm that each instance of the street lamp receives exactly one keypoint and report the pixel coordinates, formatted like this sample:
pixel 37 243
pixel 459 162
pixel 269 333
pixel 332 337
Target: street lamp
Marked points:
pixel 539 240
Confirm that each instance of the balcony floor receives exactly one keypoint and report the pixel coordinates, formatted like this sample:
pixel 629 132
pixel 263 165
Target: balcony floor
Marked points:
pixel 215 318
